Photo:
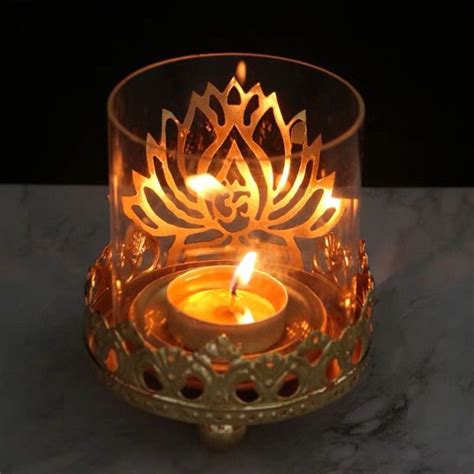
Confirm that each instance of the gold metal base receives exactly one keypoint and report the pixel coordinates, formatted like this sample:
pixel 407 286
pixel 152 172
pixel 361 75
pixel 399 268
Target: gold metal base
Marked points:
pixel 217 387
pixel 180 409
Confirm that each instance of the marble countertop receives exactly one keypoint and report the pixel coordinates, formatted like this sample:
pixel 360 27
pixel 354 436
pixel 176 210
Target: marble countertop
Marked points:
pixel 413 412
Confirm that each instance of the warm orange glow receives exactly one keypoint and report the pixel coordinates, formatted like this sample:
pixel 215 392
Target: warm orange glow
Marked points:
pixel 219 307
pixel 244 270
pixel 111 361
pixel 245 318
pixel 242 192
pixel 357 351
pixel 241 72
pixel 330 202
pixel 205 185
pixel 333 370
pixel 203 306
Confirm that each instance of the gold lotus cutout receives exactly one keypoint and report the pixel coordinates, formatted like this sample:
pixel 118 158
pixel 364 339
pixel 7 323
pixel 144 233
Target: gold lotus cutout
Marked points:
pixel 232 137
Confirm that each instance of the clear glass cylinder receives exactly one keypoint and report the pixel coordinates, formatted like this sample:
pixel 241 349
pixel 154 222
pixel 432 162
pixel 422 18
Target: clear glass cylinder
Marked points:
pixel 215 155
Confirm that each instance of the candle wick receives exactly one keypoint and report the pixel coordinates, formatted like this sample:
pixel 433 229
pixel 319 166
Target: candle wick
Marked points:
pixel 233 290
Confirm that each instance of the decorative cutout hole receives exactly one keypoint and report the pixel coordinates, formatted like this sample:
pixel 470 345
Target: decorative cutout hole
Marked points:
pixel 140 213
pixel 289 386
pixel 298 133
pixel 201 133
pixel 246 392
pixel 268 135
pixel 234 97
pixel 252 106
pixel 313 356
pixel 147 259
pixel 215 105
pixel 333 370
pixel 357 351
pixel 193 388
pixel 151 380
pixel 171 134
pixel 111 361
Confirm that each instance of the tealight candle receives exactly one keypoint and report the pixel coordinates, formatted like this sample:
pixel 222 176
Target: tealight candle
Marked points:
pixel 245 304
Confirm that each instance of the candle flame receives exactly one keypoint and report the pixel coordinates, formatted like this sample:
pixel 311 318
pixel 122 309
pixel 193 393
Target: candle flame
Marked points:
pixel 330 202
pixel 205 185
pixel 246 317
pixel 244 270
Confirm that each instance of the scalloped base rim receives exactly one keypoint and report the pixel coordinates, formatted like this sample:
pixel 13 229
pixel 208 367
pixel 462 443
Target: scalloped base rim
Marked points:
pixel 217 385
pixel 179 409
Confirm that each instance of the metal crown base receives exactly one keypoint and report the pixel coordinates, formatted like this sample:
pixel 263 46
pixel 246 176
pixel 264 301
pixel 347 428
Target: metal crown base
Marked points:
pixel 223 398
pixel 233 425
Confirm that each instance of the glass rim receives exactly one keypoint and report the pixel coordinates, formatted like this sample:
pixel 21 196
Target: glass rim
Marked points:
pixel 346 134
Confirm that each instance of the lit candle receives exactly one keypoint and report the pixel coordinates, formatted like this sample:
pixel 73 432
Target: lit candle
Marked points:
pixel 245 304
pixel 227 305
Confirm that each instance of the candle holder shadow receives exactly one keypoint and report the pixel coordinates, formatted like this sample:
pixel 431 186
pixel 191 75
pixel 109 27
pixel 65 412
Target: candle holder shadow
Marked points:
pixel 218 388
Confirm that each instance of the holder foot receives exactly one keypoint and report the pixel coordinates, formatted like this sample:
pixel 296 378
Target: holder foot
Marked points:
pixel 221 437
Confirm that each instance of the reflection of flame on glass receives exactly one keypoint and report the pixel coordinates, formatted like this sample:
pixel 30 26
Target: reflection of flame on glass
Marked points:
pixel 243 272
pixel 245 318
pixel 347 302
pixel 205 185
pixel 241 72
pixel 331 202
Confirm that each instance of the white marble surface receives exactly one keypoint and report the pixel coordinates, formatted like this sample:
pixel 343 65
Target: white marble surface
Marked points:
pixel 412 413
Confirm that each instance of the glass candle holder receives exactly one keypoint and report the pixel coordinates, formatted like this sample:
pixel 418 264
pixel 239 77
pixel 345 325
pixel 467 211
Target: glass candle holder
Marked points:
pixel 234 200
pixel 213 156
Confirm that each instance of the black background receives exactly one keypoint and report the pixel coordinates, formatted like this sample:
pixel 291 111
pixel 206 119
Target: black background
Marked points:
pixel 61 61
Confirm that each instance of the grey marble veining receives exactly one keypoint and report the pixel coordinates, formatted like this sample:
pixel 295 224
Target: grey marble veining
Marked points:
pixel 413 412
